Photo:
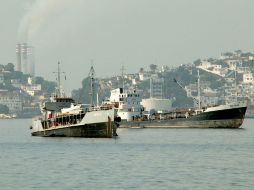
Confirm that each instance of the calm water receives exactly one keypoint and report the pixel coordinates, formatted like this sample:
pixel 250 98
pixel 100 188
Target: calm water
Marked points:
pixel 138 159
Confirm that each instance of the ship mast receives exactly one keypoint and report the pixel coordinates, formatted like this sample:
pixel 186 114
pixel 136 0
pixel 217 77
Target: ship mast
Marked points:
pixel 199 98
pixel 58 91
pixel 151 83
pixel 123 69
pixel 92 75
pixel 235 84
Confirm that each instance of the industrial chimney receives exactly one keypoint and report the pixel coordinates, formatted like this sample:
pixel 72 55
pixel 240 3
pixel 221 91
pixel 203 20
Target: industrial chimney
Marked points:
pixel 18 57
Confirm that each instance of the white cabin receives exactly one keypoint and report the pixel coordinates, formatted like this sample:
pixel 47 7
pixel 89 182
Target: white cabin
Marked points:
pixel 127 103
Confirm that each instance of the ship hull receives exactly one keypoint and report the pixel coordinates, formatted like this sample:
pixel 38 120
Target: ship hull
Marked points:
pixel 229 118
pixel 96 130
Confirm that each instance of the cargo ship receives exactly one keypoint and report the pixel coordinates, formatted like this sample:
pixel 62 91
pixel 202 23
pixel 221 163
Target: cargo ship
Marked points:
pixel 77 120
pixel 63 117
pixel 134 114
pixel 223 116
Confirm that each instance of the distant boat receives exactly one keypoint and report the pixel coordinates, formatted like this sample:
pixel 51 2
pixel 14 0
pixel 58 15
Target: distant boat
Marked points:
pixel 5 116
pixel 62 116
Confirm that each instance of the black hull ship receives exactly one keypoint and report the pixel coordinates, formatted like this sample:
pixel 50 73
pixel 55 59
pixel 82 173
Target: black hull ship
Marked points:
pixel 63 117
pixel 133 115
pixel 225 117
pixel 92 124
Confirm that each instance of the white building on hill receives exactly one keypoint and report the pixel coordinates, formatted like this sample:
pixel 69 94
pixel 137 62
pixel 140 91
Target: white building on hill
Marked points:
pixel 11 100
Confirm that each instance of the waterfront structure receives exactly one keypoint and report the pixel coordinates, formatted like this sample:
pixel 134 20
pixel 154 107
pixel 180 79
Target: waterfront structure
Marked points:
pixel 248 78
pixel 156 87
pixel 1 78
pixel 143 75
pixel 12 100
pixel 31 88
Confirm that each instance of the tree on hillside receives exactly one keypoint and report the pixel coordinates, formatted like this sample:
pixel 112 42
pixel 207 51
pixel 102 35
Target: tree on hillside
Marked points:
pixel 47 86
pixel 9 67
pixel 82 95
pixel 38 80
pixel 197 62
pixel 153 67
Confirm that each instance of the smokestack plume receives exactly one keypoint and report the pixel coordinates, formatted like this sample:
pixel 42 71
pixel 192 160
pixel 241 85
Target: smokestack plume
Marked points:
pixel 30 60
pixel 37 14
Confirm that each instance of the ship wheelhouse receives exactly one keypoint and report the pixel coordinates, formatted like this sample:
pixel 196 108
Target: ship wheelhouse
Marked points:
pixel 127 103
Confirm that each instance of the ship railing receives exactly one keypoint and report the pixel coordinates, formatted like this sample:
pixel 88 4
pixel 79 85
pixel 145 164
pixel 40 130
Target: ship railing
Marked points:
pixel 98 108
pixel 65 119
pixel 178 113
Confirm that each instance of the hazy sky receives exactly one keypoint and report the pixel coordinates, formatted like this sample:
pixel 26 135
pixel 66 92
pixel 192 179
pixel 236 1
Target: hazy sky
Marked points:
pixel 135 33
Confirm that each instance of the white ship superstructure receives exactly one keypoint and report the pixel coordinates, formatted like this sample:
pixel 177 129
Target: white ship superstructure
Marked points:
pixel 127 104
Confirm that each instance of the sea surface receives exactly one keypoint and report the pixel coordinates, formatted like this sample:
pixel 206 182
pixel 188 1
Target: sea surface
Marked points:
pixel 137 159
